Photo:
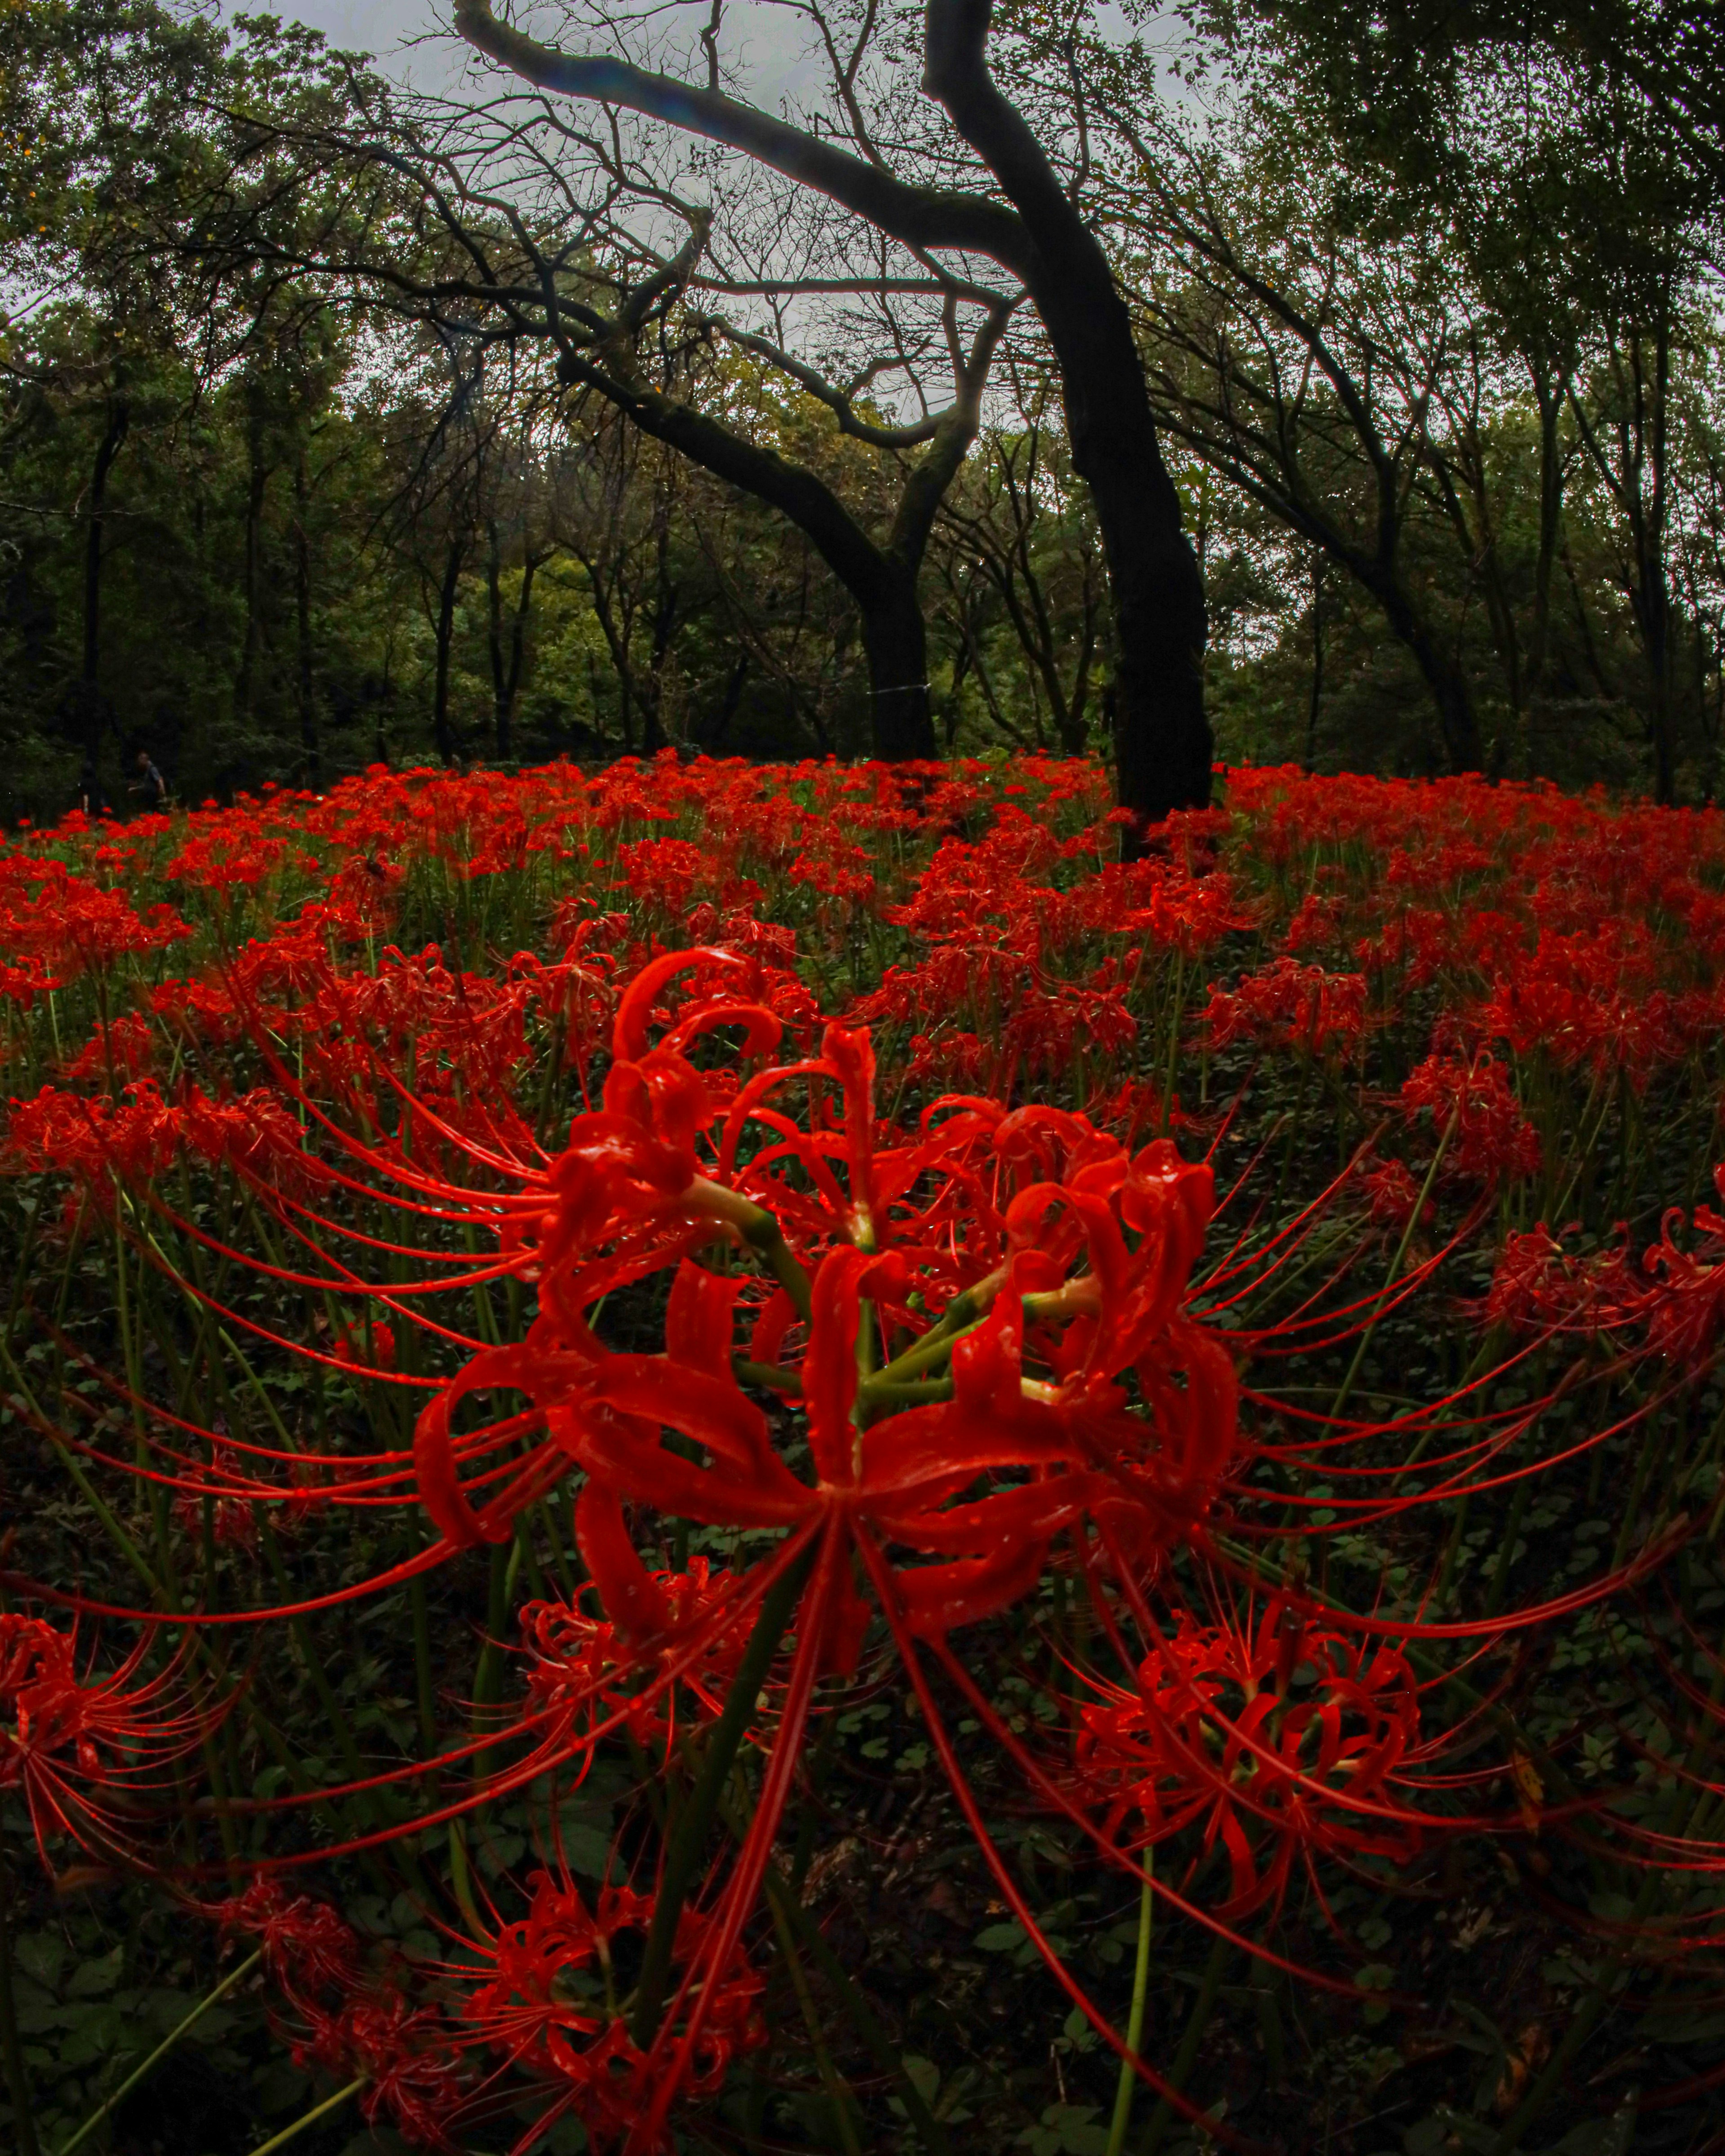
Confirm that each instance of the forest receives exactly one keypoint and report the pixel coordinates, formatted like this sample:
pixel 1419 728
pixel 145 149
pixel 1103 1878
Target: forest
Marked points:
pixel 343 423
pixel 862 1187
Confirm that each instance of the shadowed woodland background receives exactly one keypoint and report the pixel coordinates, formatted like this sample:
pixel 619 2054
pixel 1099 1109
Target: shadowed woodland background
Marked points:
pixel 1431 330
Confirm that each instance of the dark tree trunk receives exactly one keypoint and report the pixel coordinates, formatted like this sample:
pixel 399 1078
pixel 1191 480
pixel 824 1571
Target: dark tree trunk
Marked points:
pixel 1163 746
pixel 718 733
pixel 1442 675
pixel 245 684
pixel 665 621
pixel 493 620
pixel 507 669
pixel 302 607
pixel 1317 662
pixel 445 634
pixel 896 641
pixel 92 707
pixel 517 661
pixel 1549 396
pixel 1655 612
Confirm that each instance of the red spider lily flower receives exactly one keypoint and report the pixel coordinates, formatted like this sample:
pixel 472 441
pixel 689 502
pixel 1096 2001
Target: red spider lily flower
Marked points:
pixel 1078 1277
pixel 77 1748
pixel 233 1524
pixel 126 1049
pixel 1538 1287
pixel 584 1669
pixel 1289 1005
pixel 1281 1745
pixel 1391 1195
pixel 310 1953
pixel 556 1997
pixel 1492 1141
pixel 368 1347
pixel 413 2075
pixel 1684 1306
pixel 75 926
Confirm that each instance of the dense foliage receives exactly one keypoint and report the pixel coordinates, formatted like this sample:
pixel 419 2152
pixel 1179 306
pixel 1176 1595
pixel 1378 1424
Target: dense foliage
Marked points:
pixel 750 1457
pixel 288 484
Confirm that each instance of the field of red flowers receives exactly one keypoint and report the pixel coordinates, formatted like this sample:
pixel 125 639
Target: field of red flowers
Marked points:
pixel 720 1458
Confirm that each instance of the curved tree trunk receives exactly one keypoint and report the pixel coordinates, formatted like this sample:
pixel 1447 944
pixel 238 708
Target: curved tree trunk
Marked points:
pixel 302 607
pixel 1443 676
pixel 92 707
pixel 1163 745
pixel 896 641
pixel 882 580
pixel 1164 741
pixel 257 483
pixel 445 636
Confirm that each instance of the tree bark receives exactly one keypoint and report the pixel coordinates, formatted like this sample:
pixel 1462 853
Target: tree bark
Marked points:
pixel 507 669
pixel 302 607
pixel 1317 662
pixel 1163 746
pixel 717 733
pixel 109 448
pixel 257 480
pixel 1442 675
pixel 445 635
pixel 896 641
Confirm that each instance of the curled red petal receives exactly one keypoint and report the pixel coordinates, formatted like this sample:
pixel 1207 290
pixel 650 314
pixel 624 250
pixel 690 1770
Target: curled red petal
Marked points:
pixel 635 1012
pixel 634 1600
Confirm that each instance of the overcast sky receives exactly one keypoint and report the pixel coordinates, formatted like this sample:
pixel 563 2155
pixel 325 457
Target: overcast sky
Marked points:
pixel 404 35
pixel 366 26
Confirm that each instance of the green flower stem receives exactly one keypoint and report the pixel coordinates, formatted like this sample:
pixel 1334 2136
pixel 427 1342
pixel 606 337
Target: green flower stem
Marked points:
pixel 1395 1266
pixel 682 1860
pixel 1126 2085
pixel 838 2094
pixel 309 2118
pixel 788 1381
pixel 161 2051
pixel 875 1392
pixel 861 2015
pixel 1186 2058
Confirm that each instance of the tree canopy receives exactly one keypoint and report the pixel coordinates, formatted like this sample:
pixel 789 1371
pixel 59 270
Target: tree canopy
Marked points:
pixel 603 407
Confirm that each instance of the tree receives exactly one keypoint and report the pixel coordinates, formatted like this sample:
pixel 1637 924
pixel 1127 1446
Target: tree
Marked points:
pixel 1040 234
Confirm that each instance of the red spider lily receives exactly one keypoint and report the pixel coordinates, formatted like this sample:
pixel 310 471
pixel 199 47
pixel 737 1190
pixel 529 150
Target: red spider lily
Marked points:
pixel 309 1950
pixel 233 1523
pixel 1291 1005
pixel 73 926
pixel 1281 1745
pixel 81 1750
pixel 1492 1141
pixel 413 2073
pixel 585 1669
pixel 370 1348
pixel 1684 1305
pixel 1537 1285
pixel 1054 1453
pixel 555 2000
pixel 1391 1195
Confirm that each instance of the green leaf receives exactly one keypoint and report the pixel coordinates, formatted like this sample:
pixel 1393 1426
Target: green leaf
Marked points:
pixel 91 1978
pixel 41 1955
pixel 1001 1938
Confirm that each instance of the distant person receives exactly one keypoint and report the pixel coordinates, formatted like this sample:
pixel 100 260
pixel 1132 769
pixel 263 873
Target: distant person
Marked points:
pixel 149 782
pixel 92 798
